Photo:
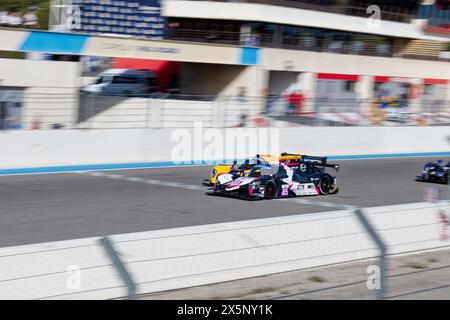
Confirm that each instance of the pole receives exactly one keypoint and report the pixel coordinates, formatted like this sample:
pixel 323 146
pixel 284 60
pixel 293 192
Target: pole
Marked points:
pixel 379 292
pixel 448 187
pixel 120 267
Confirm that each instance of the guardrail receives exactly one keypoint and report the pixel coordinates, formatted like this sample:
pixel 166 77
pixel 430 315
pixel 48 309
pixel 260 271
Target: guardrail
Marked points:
pixel 170 259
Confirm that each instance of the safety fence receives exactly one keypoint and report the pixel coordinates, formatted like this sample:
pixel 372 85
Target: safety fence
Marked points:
pixel 95 111
pixel 147 262
pixel 166 111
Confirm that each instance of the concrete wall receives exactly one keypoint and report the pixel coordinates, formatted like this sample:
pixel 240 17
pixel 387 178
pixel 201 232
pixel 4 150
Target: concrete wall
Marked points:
pixel 207 79
pixel 50 89
pixel 279 81
pixel 175 258
pixel 77 147
pixel 221 80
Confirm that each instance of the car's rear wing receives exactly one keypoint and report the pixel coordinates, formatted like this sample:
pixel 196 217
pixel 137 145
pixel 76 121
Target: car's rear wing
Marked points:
pixel 289 157
pixel 320 162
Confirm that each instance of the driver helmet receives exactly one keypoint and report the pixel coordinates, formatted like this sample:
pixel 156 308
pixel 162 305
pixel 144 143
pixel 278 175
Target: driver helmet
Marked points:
pixel 256 172
pixel 302 167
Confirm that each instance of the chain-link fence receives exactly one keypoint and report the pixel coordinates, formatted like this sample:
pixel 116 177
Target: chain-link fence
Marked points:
pixel 95 111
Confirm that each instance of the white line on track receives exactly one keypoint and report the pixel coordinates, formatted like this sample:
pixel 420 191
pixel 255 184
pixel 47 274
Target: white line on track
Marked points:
pixel 321 203
pixel 134 179
pixel 173 184
pixel 142 180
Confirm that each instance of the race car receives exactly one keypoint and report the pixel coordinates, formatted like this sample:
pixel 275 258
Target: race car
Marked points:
pixel 244 168
pixel 434 172
pixel 271 181
pixel 235 168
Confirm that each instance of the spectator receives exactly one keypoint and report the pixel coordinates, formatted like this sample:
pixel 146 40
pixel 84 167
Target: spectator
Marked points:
pixel 212 35
pixel 241 101
pixel 30 20
pixel 14 20
pixel 3 17
pixel 271 98
pixel 243 121
pixel 295 102
pixel 358 46
pixel 376 113
pixel 36 123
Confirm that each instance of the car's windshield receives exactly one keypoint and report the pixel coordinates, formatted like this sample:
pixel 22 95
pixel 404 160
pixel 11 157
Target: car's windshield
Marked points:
pixel 257 161
pixel 251 162
pixel 264 170
pixel 103 79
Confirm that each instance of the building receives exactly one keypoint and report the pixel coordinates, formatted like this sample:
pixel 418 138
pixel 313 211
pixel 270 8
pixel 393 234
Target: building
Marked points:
pixel 336 53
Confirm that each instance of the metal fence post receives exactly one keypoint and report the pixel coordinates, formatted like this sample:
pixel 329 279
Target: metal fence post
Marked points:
pixel 224 110
pixel 448 188
pixel 92 109
pixel 218 111
pixel 120 266
pixel 379 292
pixel 147 111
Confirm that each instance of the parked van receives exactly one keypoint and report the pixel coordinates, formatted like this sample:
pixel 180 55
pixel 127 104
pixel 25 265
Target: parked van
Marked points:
pixel 123 82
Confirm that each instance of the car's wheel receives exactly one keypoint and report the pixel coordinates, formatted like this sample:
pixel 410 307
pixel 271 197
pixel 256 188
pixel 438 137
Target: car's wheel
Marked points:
pixel 325 184
pixel 270 191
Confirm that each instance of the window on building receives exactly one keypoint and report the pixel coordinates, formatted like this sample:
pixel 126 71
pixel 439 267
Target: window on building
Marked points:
pixel 350 86
pixel 291 35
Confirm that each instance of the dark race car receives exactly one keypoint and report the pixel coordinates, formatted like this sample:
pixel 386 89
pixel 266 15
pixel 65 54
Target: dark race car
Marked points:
pixel 270 181
pixel 434 172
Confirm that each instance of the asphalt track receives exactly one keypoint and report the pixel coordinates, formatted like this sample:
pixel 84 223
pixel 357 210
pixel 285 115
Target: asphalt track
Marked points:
pixel 60 206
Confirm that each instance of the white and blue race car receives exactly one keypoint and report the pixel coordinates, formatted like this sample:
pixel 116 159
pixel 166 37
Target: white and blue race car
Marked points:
pixel 271 181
